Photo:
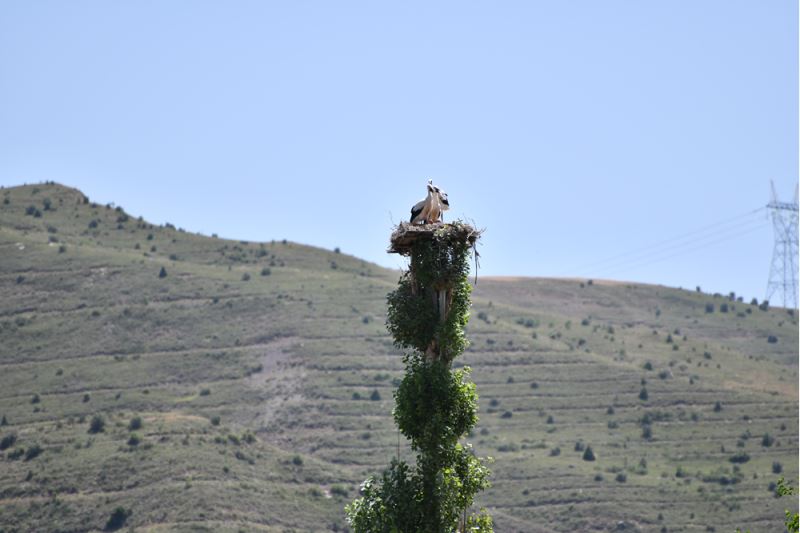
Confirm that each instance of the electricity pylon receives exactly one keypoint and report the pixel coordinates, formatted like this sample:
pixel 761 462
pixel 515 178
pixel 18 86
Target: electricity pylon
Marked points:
pixel 783 272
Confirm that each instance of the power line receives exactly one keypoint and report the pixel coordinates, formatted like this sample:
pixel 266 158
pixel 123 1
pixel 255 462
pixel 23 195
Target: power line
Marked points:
pixel 722 233
pixel 704 245
pixel 685 239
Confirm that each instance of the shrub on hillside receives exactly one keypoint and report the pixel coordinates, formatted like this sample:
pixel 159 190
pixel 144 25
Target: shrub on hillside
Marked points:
pixel 709 307
pixel 135 423
pixel 162 273
pixel 8 441
pixel 97 424
pixel 739 458
pixel 33 452
pixel 643 395
pixel 117 519
pixel 588 455
pixel 772 339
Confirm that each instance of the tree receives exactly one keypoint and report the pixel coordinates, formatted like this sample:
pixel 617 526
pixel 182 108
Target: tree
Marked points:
pixel 588 455
pixel 434 405
pixel 97 425
pixel 117 519
pixel 791 522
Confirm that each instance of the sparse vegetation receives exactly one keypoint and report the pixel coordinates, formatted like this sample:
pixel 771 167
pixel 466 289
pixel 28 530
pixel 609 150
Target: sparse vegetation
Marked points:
pixel 68 312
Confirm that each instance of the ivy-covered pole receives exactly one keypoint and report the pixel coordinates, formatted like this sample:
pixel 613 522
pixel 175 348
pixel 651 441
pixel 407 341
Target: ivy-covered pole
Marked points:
pixel 434 405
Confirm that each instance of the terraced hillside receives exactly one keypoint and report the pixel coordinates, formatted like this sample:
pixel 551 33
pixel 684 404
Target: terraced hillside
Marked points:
pixel 199 383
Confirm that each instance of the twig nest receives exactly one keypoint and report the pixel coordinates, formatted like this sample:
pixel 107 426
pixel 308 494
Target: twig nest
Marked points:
pixel 405 235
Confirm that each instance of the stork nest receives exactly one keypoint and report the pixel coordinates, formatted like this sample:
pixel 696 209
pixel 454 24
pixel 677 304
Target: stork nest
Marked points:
pixel 405 235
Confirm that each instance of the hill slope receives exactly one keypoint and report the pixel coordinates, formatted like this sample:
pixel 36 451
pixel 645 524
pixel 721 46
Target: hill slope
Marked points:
pixel 262 376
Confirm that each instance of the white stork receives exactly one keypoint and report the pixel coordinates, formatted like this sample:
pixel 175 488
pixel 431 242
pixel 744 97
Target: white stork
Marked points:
pixel 431 208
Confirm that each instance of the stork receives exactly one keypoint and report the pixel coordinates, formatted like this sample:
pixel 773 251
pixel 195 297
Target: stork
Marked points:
pixel 431 208
pixel 445 204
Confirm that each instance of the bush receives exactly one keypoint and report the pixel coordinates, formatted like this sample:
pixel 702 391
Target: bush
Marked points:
pixel 777 468
pixel 205 392
pixel 741 457
pixel 117 519
pixel 375 396
pixel 772 339
pixel 579 446
pixel 35 398
pixel 356 396
pixel 162 273
pixel 266 271
pixel 717 407
pixel 621 477
pixel 215 420
pixel 723 308
pixel 555 452
pixel 588 455
pixel 8 441
pixel 97 424
pixel 507 414
pixel 648 366
pixel 33 452
pixel 134 440
pixel 647 432
pixel 297 460
pixel 338 490
pixel 709 307
pixel 246 277
pixel 764 305
pixel 767 440
pixel 643 394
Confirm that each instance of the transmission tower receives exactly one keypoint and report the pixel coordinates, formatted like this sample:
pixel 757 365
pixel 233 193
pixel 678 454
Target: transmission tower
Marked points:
pixel 783 271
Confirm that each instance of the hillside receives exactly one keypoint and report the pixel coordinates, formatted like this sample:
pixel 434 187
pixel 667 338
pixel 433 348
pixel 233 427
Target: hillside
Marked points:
pixel 248 386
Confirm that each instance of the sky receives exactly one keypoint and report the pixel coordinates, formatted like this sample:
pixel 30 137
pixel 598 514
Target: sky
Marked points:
pixel 618 139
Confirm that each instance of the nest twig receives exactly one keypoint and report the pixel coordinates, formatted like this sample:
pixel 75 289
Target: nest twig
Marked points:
pixel 405 235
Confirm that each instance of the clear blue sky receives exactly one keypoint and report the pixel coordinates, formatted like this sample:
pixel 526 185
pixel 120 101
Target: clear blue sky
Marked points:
pixel 574 131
